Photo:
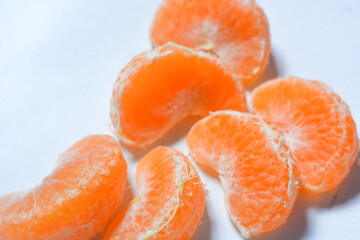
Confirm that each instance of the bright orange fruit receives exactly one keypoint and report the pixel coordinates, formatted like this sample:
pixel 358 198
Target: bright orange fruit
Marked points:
pixel 255 166
pixel 75 201
pixel 160 87
pixel 170 200
pixel 235 30
pixel 318 125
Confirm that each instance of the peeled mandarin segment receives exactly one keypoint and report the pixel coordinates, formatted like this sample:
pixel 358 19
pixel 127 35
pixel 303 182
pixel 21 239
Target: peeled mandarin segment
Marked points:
pixel 255 167
pixel 170 200
pixel 75 201
pixel 160 87
pixel 318 125
pixel 235 30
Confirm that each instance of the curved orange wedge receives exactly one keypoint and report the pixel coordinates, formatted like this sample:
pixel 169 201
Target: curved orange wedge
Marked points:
pixel 75 201
pixel 170 200
pixel 255 166
pixel 318 125
pixel 160 87
pixel 236 31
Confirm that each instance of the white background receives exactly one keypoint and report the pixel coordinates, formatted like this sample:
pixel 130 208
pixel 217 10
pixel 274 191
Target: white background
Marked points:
pixel 59 60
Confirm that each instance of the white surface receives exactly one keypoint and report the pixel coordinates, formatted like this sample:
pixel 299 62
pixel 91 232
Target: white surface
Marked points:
pixel 59 60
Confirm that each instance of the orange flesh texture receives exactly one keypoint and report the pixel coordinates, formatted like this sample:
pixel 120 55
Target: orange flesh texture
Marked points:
pixel 75 201
pixel 235 30
pixel 318 125
pixel 170 200
pixel 160 87
pixel 255 167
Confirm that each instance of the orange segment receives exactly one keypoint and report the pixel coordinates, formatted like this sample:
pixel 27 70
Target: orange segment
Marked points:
pixel 235 30
pixel 160 87
pixel 75 201
pixel 170 200
pixel 254 163
pixel 318 125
